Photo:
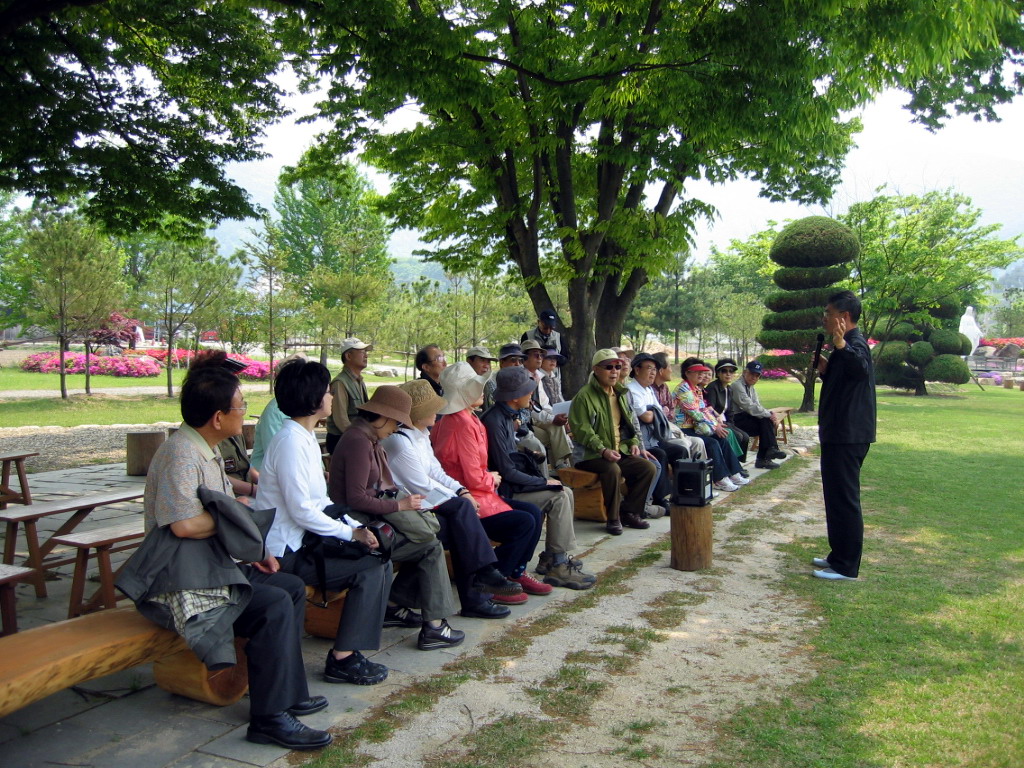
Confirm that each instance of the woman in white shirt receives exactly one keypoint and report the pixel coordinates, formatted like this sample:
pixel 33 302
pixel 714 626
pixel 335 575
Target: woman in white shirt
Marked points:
pixel 292 481
pixel 416 470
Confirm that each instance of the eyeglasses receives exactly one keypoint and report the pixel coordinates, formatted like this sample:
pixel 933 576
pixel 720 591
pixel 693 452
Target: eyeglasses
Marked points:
pixel 243 409
pixel 438 359
pixel 612 367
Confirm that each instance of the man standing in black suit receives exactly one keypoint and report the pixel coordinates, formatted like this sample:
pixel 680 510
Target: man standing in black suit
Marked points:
pixel 846 429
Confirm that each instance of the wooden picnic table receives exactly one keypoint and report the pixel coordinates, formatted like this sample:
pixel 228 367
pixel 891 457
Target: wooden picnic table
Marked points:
pixel 79 507
pixel 7 494
pixel 104 541
pixel 10 575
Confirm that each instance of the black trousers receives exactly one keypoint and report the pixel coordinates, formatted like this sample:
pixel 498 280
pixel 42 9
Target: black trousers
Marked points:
pixel 666 453
pixel 463 535
pixel 518 531
pixel 840 485
pixel 272 621
pixel 760 426
pixel 368 582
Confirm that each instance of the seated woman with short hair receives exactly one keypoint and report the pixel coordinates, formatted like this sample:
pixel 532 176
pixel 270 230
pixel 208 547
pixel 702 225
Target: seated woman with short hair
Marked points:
pixel 293 482
pixel 699 420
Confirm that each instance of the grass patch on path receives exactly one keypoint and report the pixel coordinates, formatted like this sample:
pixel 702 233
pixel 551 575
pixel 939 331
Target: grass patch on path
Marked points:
pixel 923 658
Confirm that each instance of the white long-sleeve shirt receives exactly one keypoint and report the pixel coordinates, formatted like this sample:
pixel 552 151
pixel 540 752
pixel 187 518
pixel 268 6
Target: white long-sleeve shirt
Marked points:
pixel 292 481
pixel 413 464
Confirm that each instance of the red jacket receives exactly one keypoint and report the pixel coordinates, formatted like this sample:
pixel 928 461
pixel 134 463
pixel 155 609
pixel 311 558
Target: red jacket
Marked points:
pixel 460 444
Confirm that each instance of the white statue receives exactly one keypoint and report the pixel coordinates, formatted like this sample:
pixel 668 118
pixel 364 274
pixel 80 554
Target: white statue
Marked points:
pixel 969 327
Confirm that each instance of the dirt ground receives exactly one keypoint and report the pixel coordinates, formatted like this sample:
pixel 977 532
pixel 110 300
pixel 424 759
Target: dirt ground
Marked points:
pixel 646 673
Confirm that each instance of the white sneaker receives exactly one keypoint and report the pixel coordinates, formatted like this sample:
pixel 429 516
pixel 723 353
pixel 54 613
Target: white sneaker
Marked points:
pixel 725 484
pixel 739 479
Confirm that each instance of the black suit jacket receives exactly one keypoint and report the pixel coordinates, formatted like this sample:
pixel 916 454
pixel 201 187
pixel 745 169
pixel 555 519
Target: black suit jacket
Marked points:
pixel 846 409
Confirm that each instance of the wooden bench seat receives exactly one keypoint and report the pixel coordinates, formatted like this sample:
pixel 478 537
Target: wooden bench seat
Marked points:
pixel 99 543
pixel 38 554
pixel 10 575
pixel 322 621
pixel 586 490
pixel 41 661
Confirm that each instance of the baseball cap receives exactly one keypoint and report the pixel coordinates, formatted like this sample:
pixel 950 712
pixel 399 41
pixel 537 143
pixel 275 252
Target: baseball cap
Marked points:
pixel 482 352
pixel 605 354
pixel 353 343
pixel 548 316
pixel 755 367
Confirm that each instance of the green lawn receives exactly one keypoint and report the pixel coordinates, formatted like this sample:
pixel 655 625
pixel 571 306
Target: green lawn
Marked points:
pixel 15 379
pixel 921 661
pixel 102 409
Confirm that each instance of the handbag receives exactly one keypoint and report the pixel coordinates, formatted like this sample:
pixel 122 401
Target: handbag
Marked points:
pixel 319 548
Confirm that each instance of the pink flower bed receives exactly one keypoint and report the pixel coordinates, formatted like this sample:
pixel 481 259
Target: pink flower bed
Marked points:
pixel 1018 340
pixel 74 362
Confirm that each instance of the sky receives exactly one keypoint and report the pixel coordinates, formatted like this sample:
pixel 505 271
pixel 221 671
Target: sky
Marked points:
pixel 984 161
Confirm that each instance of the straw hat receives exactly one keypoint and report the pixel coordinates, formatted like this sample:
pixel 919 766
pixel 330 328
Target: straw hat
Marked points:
pixel 513 383
pixel 390 401
pixel 425 402
pixel 462 387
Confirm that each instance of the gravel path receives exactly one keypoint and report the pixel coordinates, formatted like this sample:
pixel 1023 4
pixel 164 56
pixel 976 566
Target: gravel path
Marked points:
pixel 64 447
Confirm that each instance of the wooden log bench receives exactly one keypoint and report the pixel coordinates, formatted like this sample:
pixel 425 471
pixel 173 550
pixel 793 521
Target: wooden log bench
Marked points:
pixel 99 543
pixel 10 575
pixel 39 557
pixel 322 621
pixel 41 661
pixel 15 461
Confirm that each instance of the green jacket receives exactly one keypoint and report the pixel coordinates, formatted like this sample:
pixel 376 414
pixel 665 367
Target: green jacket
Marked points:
pixel 591 421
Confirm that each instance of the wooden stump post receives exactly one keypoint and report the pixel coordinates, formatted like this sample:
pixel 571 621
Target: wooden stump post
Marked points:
pixel 249 435
pixel 141 447
pixel 691 538
pixel 1008 382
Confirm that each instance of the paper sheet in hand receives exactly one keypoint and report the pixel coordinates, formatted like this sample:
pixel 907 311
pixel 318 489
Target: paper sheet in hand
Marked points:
pixel 433 499
pixel 561 408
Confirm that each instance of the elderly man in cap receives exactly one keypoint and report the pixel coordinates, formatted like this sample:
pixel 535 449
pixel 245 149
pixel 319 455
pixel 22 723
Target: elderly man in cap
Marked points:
pixel 480 360
pixel 547 426
pixel 348 389
pixel 546 336
pixel 746 411
pixel 523 481
pixel 608 443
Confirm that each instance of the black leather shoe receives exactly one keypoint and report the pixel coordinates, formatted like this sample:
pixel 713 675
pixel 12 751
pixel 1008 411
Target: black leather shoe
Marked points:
pixel 285 730
pixel 614 527
pixel 309 706
pixel 776 454
pixel 487 610
pixel 634 521
pixel 765 464
pixel 492 582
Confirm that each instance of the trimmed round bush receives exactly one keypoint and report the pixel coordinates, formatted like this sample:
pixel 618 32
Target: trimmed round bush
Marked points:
pixel 794 340
pixel 900 376
pixel 946 342
pixel 947 309
pixel 798 278
pixel 905 332
pixel 814 241
pixel 784 301
pixel 966 345
pixel 920 353
pixel 797 319
pixel 948 368
pixel 893 353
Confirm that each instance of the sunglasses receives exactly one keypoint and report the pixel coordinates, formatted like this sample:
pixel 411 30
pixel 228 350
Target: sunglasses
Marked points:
pixel 612 367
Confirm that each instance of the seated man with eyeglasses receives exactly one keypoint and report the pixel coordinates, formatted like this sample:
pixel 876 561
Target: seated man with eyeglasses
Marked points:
pixel 607 442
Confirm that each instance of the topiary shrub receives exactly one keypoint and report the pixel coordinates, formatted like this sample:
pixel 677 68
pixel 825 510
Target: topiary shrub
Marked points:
pixel 795 319
pixel 946 342
pixel 893 353
pixel 784 301
pixel 948 368
pixel 905 332
pixel 806 278
pixel 812 254
pixel 814 241
pixel 966 345
pixel 920 353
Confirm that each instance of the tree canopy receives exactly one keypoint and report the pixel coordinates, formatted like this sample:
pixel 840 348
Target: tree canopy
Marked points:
pixel 136 103
pixel 561 138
